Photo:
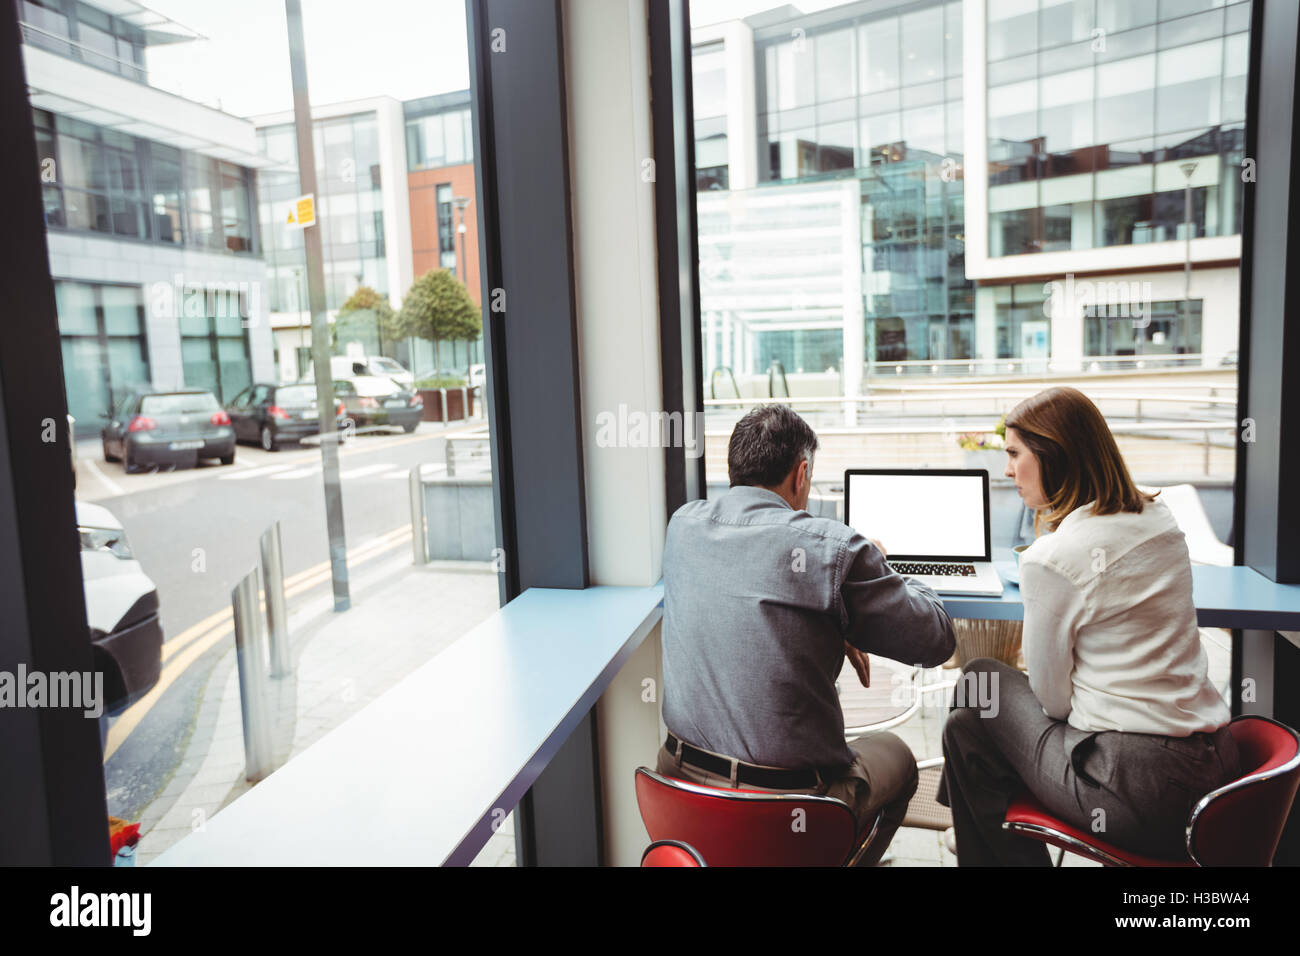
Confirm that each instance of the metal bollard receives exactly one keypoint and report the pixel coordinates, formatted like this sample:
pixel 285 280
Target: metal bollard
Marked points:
pixel 442 394
pixel 419 545
pixel 252 692
pixel 464 402
pixel 277 621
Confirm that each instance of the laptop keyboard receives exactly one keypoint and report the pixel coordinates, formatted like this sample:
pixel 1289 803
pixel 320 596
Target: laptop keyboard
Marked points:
pixel 939 570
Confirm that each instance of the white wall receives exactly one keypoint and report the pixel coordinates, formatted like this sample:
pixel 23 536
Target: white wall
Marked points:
pixel 608 91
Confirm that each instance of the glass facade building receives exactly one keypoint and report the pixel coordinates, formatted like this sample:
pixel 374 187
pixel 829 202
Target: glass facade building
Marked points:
pixel 873 98
pixel 81 32
pixel 1101 112
pixel 1107 124
pixel 349 206
pixel 100 180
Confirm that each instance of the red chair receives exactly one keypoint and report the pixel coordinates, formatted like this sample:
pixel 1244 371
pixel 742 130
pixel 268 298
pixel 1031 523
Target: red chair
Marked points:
pixel 1238 824
pixel 749 827
pixel 671 853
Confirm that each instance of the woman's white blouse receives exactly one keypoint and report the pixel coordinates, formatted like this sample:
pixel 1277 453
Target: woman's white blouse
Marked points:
pixel 1110 634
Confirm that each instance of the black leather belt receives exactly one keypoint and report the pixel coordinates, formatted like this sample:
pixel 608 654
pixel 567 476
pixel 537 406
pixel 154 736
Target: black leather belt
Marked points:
pixel 768 777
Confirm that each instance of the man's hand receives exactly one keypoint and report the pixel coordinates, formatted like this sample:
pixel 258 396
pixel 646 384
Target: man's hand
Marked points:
pixel 860 663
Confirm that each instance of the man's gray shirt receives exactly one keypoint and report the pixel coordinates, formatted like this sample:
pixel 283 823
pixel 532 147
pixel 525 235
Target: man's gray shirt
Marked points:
pixel 758 602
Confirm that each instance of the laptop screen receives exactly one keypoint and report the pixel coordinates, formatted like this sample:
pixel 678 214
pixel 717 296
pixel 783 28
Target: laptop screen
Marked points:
pixel 920 514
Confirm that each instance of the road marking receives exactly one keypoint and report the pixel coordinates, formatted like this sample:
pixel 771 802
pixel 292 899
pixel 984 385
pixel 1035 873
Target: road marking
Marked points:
pixel 131 717
pixel 108 482
pixel 253 473
pixel 223 617
pixel 297 473
pixel 406 472
pixel 367 470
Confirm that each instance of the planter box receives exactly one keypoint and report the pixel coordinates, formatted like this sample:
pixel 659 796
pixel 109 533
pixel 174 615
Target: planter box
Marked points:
pixel 994 462
pixel 457 399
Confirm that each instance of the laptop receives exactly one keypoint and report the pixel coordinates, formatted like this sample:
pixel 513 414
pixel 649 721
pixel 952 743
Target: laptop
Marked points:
pixel 934 524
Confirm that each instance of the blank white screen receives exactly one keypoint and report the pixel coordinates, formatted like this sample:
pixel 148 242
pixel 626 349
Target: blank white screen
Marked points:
pixel 918 514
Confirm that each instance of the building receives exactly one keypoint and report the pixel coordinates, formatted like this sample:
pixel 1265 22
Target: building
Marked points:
pixel 1055 236
pixel 362 210
pixel 444 220
pixel 388 174
pixel 150 225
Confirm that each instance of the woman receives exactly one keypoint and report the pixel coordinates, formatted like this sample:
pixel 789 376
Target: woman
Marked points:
pixel 1117 730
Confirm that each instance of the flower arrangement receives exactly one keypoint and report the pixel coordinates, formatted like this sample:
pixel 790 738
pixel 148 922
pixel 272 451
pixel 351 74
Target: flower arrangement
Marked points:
pixel 985 441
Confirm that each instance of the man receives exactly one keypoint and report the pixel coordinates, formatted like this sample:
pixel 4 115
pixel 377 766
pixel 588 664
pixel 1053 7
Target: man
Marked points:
pixel 761 603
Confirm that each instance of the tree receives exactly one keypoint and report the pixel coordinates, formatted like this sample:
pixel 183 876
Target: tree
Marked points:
pixel 364 315
pixel 439 308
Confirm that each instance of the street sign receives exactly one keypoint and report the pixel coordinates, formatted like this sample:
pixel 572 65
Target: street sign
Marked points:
pixel 302 213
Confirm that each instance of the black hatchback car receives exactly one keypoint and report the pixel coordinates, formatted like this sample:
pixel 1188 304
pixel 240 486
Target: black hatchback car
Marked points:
pixel 372 401
pixel 157 427
pixel 272 414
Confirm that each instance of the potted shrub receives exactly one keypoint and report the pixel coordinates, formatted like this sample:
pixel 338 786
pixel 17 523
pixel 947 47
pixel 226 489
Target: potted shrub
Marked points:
pixel 431 390
pixel 986 450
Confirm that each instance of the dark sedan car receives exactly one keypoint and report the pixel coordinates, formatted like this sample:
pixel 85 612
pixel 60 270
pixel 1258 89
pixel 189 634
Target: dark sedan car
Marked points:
pixel 168 428
pixel 272 414
pixel 373 401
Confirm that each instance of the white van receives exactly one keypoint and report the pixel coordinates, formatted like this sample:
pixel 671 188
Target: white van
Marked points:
pixel 350 366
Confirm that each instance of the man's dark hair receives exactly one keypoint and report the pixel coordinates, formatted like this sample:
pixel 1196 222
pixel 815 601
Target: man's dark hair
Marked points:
pixel 768 442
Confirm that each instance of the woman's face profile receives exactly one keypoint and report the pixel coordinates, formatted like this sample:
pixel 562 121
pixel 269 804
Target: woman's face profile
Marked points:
pixel 1022 468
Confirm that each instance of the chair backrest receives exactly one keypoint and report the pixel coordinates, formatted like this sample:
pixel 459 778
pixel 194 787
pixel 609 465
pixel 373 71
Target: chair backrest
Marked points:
pixel 1203 545
pixel 1240 823
pixel 671 853
pixel 746 827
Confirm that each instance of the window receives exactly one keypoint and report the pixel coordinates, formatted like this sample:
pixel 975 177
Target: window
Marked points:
pixel 437 140
pixel 446 229
pixel 102 334
pixel 215 350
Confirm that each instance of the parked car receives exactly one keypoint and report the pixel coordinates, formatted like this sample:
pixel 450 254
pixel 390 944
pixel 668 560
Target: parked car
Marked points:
pixel 385 367
pixel 371 400
pixel 156 427
pixel 273 414
pixel 121 609
pixel 349 366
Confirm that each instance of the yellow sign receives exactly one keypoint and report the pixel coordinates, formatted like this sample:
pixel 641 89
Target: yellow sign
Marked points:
pixel 302 213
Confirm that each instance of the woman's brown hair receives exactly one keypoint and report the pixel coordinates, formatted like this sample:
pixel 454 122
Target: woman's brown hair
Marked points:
pixel 1078 460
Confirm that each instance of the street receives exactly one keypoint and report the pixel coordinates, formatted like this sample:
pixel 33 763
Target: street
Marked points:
pixel 196 532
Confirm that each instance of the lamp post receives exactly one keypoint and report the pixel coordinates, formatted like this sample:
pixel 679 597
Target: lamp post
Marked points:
pixel 302 323
pixel 461 202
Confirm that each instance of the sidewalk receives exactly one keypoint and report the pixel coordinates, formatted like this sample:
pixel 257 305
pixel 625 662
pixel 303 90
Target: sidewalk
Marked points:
pixel 402 615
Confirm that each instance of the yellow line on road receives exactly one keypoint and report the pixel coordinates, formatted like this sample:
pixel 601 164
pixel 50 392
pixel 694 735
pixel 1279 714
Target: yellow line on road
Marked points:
pixel 198 645
pixel 174 644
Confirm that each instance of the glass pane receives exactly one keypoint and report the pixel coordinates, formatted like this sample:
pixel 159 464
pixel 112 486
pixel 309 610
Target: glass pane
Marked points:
pixel 123 309
pixel 87 393
pixel 922 34
pixel 76 306
pixel 878 63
